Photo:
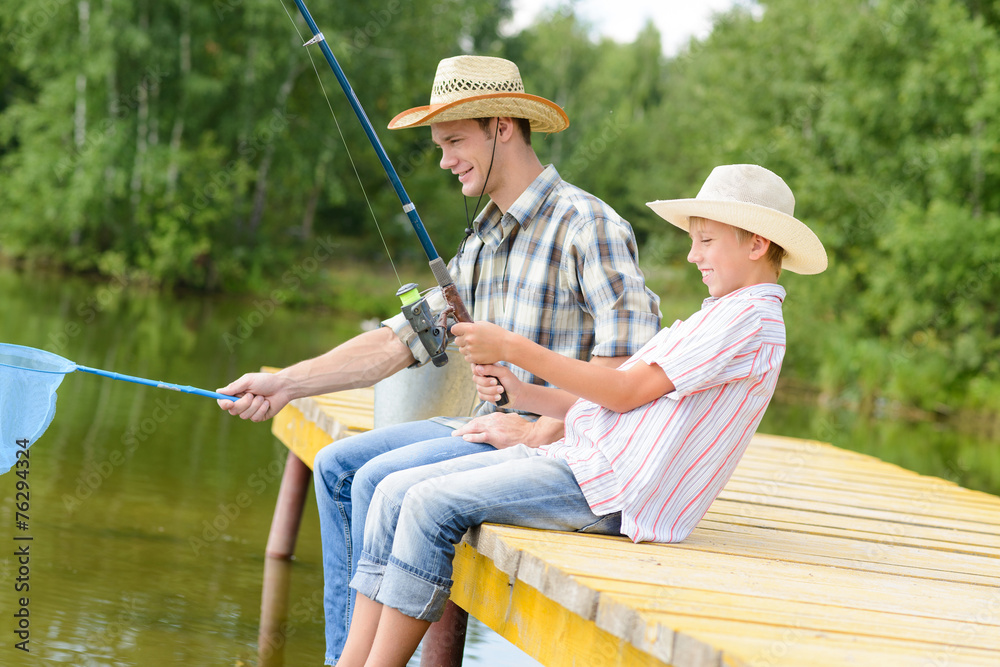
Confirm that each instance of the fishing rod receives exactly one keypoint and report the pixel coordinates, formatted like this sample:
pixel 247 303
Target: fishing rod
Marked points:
pixel 432 334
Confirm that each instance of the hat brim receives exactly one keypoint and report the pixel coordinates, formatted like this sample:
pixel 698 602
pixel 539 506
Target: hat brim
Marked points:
pixel 543 115
pixel 806 254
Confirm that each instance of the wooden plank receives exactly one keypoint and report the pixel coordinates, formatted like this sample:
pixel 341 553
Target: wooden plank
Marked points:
pixel 928 511
pixel 881 530
pixel 799 647
pixel 846 554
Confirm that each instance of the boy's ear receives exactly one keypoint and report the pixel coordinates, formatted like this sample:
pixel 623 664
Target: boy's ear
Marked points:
pixel 759 247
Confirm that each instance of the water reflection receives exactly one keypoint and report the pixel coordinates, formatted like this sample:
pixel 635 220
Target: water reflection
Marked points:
pixel 150 509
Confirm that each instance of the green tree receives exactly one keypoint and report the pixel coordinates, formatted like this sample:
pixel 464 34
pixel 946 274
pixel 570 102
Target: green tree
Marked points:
pixel 190 142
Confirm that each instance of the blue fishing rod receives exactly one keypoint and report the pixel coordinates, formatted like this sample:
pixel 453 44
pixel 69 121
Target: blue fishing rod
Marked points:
pixel 417 312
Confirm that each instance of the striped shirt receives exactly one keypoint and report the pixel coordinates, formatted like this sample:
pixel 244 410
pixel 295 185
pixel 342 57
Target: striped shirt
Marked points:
pixel 560 268
pixel 662 464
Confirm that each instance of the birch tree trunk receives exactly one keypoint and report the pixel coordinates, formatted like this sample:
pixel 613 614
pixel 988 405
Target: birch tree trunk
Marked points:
pixel 111 82
pixel 80 113
pixel 260 187
pixel 184 45
pixel 142 131
pixel 80 110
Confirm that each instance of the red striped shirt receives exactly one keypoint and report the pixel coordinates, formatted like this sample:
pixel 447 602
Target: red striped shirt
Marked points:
pixel 662 464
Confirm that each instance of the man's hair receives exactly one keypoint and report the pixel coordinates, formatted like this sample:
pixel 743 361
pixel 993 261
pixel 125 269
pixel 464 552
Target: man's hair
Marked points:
pixel 775 253
pixel 521 124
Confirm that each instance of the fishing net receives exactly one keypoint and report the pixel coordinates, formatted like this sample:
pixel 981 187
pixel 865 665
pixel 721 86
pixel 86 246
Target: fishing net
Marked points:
pixel 28 382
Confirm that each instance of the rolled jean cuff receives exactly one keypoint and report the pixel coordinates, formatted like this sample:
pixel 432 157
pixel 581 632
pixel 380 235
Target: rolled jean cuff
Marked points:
pixel 414 592
pixel 368 578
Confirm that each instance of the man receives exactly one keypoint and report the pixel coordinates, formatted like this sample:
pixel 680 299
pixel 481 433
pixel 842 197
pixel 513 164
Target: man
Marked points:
pixel 544 259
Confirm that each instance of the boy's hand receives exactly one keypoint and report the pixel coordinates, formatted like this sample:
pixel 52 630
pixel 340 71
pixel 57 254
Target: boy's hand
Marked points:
pixel 493 381
pixel 480 342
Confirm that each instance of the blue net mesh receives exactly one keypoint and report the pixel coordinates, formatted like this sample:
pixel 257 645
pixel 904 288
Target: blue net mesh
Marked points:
pixel 28 382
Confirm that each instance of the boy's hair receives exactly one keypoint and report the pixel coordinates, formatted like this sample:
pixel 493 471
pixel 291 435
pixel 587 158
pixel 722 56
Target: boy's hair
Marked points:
pixel 522 124
pixel 775 253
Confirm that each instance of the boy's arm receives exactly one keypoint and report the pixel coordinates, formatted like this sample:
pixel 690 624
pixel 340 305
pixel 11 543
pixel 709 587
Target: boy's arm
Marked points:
pixel 493 381
pixel 621 391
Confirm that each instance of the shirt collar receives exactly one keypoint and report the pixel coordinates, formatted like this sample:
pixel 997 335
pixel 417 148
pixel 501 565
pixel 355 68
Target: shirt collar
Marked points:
pixel 492 226
pixel 761 291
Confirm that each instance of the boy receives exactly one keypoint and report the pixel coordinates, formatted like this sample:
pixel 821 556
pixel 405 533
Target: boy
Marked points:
pixel 648 446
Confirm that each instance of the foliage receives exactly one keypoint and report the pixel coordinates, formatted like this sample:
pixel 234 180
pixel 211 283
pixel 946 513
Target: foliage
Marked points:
pixel 191 140
pixel 190 143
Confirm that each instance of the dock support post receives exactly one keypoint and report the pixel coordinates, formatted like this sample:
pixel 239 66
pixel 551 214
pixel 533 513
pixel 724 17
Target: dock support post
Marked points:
pixel 277 568
pixel 271 637
pixel 444 642
pixel 288 509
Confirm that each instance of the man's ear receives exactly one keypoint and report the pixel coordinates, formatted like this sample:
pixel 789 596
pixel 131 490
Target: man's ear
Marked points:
pixel 505 128
pixel 759 247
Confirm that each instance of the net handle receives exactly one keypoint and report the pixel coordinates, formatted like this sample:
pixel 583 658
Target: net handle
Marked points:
pixel 185 389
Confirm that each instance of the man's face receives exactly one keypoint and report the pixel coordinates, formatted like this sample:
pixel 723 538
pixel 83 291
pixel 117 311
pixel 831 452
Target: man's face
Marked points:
pixel 466 152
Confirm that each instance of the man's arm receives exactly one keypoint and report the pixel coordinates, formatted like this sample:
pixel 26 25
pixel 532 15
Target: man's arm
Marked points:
pixel 360 362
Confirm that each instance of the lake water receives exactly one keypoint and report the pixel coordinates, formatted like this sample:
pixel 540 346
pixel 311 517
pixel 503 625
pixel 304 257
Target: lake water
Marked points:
pixel 149 510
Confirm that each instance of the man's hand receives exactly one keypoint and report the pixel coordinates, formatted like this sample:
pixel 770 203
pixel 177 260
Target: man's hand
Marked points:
pixel 360 362
pixel 261 396
pixel 503 430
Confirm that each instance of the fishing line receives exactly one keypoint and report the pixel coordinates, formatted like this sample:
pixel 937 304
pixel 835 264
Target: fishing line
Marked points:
pixel 468 220
pixel 346 148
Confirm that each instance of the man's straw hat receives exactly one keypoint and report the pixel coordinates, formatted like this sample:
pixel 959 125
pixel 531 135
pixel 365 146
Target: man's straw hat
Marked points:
pixel 754 199
pixel 482 87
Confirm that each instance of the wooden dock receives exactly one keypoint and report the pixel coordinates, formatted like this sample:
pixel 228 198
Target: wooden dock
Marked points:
pixel 811 556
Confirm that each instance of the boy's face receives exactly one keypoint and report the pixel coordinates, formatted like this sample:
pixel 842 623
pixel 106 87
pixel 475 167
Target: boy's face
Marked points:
pixel 466 152
pixel 725 263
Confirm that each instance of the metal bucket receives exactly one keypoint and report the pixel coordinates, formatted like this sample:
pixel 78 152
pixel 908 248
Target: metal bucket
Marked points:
pixel 428 391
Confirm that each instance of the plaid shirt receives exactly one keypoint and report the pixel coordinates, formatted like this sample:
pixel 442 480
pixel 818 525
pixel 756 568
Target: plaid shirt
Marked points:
pixel 560 268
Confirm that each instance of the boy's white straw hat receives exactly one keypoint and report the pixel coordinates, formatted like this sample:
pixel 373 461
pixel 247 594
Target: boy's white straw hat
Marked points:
pixel 482 87
pixel 757 200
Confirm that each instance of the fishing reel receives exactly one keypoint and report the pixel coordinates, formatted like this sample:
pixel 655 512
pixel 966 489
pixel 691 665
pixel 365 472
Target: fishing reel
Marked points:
pixel 433 334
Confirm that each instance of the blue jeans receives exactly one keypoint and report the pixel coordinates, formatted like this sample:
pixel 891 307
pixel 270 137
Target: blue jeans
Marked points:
pixel 346 473
pixel 418 515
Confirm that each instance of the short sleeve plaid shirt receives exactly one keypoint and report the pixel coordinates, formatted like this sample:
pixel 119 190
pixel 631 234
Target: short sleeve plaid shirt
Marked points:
pixel 560 268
